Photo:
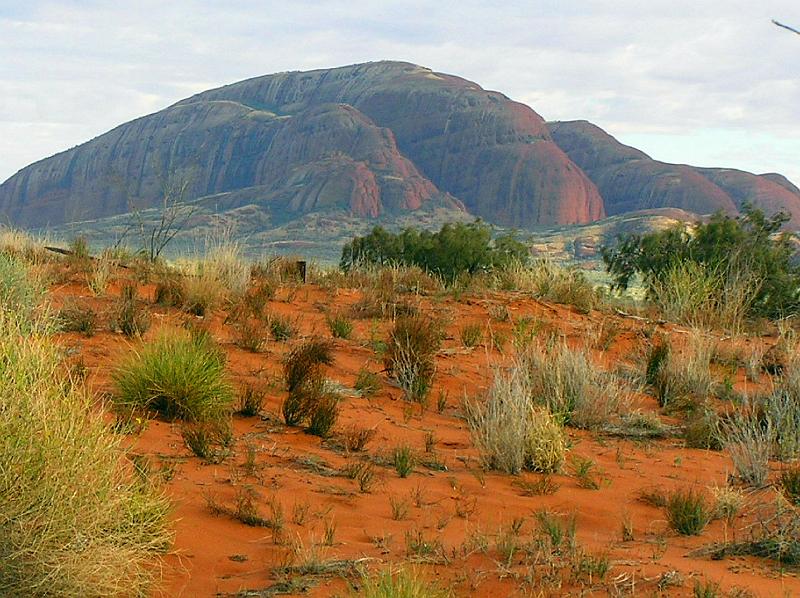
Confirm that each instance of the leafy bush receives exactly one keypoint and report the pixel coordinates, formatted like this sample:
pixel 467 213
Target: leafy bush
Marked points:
pixel 455 249
pixel 75 519
pixel 746 253
pixel 511 432
pixel 178 376
pixel 687 511
pixel 410 355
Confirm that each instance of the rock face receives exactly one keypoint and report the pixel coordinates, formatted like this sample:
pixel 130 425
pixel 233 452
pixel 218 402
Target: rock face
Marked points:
pixel 370 141
pixel 630 180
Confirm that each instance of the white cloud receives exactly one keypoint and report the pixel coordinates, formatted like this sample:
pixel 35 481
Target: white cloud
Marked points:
pixel 664 72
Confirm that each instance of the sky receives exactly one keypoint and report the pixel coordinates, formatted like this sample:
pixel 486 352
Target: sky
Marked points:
pixel 703 82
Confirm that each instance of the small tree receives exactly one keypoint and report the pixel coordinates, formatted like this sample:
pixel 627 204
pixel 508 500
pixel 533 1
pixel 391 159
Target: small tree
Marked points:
pixel 175 214
pixel 749 244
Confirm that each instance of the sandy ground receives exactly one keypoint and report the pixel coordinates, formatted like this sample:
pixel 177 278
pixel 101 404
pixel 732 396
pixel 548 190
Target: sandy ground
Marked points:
pixel 451 504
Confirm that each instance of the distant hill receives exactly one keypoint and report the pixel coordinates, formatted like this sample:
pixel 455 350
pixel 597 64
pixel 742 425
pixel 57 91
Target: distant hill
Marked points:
pixel 377 142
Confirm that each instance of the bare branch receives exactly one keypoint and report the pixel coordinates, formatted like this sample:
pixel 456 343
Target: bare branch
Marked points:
pixel 792 29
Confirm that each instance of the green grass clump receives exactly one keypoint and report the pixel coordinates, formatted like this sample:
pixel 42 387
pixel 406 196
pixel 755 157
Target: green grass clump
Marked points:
pixel 340 326
pixel 176 375
pixel 403 583
pixel 688 512
pixel 75 518
pixel 404 461
pixel 310 398
pixel 20 293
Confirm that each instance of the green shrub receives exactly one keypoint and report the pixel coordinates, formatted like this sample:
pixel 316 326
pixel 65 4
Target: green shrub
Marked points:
pixel 75 518
pixel 454 250
pixel 303 362
pixel 209 440
pixel 410 356
pixel 687 511
pixel 745 260
pixel 177 376
pixel 324 413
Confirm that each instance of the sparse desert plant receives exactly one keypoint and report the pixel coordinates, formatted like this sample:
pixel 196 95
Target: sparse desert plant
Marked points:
pixel 104 525
pixel 223 262
pixel 404 461
pixel 749 441
pixel 100 274
pixel 209 440
pixel 363 472
pixel 782 409
pixel 575 391
pixel 340 326
pixel 790 484
pixel 681 378
pixel 399 583
pixel 355 438
pixel 324 412
pixel 248 334
pixel 177 376
pixel 727 502
pixel 550 282
pixel 687 511
pixel 251 401
pixel 511 432
pixel 304 361
pixel 400 508
pixel 201 293
pixel 705 588
pixel 129 317
pixel 367 382
pixel 169 288
pixel 411 355
pixel 471 335
pixel 585 471
pixel 281 327
pixel 304 381
pixel 702 429
pixel 75 317
pixel 558 530
pixel 543 486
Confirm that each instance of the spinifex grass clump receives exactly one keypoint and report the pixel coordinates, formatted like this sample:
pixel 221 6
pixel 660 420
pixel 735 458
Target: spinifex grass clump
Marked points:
pixel 130 318
pixel 19 292
pixel 310 398
pixel 688 511
pixel 411 355
pixel 178 375
pixel 574 390
pixel 513 433
pixel 75 518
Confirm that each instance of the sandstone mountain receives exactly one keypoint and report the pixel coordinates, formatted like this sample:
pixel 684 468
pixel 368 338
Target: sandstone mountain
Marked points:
pixel 375 141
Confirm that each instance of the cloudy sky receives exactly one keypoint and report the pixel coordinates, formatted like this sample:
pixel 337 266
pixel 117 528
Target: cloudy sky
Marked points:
pixel 706 82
